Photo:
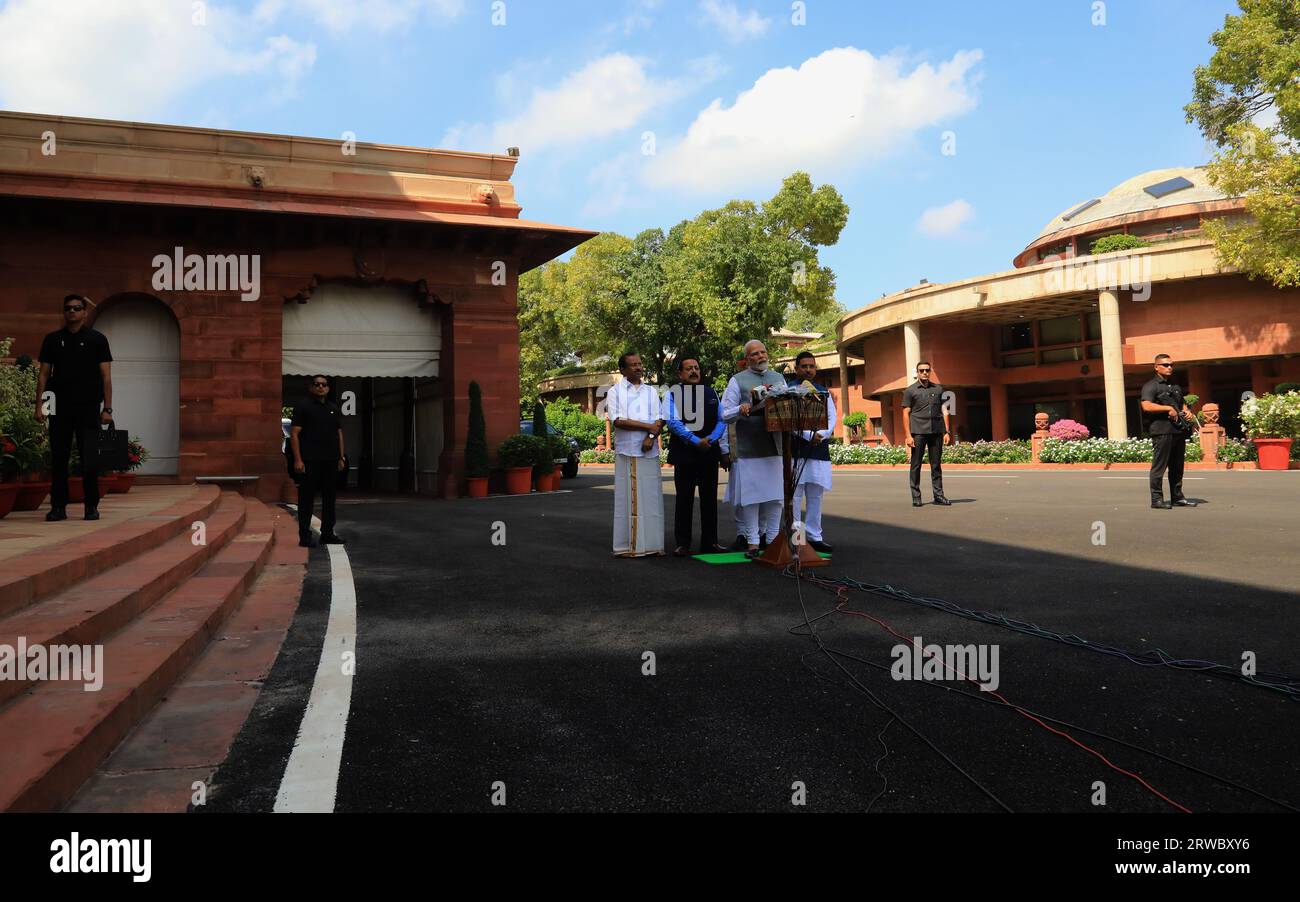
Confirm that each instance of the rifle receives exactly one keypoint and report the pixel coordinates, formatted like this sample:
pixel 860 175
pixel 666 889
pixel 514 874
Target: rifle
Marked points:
pixel 1184 422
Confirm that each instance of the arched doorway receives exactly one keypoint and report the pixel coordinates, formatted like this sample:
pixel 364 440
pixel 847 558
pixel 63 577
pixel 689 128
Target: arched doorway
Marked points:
pixel 145 341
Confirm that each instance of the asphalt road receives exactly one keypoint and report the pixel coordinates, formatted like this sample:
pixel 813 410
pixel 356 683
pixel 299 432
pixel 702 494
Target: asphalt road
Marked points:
pixel 523 662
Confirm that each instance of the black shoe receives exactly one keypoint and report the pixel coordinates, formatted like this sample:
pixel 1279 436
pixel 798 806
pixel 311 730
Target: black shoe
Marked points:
pixel 917 502
pixel 331 539
pixel 56 513
pixel 1183 502
pixel 762 544
pixel 306 542
pixel 91 514
pixel 1161 505
pixel 819 545
pixel 943 502
pixel 681 551
pixel 740 544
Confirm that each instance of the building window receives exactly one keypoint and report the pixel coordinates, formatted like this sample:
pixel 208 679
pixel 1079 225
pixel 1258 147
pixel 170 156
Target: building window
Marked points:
pixel 1060 339
pixel 1017 335
pixel 1059 331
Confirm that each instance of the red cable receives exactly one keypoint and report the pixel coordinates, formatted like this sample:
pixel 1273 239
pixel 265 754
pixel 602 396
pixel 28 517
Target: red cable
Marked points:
pixel 841 593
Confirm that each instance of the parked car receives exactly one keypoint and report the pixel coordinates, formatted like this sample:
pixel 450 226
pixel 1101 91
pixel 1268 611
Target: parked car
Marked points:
pixel 569 463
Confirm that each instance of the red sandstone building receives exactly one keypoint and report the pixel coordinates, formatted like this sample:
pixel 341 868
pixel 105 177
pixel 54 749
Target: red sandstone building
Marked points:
pixel 391 269
pixel 1074 335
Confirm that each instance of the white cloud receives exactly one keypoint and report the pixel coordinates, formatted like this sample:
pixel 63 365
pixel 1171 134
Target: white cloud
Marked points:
pixel 129 59
pixel 605 96
pixel 341 16
pixel 841 108
pixel 945 221
pixel 734 25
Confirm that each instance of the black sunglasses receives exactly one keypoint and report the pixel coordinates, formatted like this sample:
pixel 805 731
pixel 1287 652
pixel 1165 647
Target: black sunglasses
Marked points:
pixel 73 307
pixel 1164 364
pixel 924 370
pixel 321 384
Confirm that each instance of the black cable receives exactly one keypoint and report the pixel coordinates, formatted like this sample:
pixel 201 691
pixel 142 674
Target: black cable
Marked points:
pixel 1277 682
pixel 880 704
pixel 1226 781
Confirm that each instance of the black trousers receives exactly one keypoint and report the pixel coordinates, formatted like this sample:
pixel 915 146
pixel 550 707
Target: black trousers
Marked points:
pixel 689 477
pixel 82 422
pixel 321 477
pixel 934 442
pixel 1170 450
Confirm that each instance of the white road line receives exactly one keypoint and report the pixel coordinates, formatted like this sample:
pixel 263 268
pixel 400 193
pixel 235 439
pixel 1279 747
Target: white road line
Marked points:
pixel 1185 478
pixel 311 778
pixel 979 476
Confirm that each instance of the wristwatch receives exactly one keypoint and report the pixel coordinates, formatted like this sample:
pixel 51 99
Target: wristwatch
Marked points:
pixel 108 410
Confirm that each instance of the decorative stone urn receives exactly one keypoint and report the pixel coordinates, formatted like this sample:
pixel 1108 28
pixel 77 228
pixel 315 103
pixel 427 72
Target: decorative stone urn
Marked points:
pixel 1210 414
pixel 1040 421
pixel 1040 435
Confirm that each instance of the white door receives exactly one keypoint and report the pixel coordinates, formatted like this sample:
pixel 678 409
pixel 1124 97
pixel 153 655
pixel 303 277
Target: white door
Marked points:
pixel 145 342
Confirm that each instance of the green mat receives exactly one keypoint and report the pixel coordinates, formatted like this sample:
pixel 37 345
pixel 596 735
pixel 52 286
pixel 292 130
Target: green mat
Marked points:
pixel 733 557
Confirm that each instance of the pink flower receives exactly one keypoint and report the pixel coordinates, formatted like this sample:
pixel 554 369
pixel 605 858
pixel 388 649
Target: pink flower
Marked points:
pixel 1069 430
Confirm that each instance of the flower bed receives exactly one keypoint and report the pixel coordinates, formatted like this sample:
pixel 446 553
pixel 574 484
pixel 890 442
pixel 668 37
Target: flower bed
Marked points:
pixel 1108 451
pixel 1014 451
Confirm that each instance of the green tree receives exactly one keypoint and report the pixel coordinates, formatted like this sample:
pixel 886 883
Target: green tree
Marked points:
pixel 1253 73
pixel 543 339
pixel 799 319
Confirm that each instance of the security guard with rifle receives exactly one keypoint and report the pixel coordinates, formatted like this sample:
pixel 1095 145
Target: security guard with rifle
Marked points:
pixel 1169 422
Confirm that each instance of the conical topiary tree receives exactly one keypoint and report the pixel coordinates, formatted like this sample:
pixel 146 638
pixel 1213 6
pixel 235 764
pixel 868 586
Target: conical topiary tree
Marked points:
pixel 543 464
pixel 476 449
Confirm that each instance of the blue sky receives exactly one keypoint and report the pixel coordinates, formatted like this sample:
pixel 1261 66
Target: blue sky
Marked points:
pixel 1046 105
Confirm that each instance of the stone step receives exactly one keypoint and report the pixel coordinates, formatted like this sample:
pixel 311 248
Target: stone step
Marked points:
pixel 56 734
pixel 189 733
pixel 56 567
pixel 99 606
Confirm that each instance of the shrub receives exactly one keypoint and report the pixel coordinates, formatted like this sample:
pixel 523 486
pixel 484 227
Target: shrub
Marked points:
pixel 136 453
pixel 518 451
pixel 570 419
pixel 1272 416
pixel 1012 451
pixel 476 449
pixel 1110 243
pixel 592 456
pixel 1107 451
pixel 1068 430
pixel 1234 450
pixel 1286 388
pixel 1191 400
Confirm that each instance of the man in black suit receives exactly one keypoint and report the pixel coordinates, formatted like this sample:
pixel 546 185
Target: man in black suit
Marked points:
pixel 694 454
pixel 76 367
pixel 926 424
pixel 318 457
pixel 1166 416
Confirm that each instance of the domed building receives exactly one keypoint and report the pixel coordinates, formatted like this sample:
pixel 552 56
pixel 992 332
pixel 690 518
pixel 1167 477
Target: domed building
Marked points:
pixel 1074 333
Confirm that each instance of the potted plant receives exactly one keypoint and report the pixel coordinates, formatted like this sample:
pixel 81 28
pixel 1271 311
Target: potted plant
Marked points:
pixel 137 454
pixel 518 454
pixel 476 449
pixel 33 476
pixel 1273 422
pixel 559 450
pixel 856 423
pixel 8 474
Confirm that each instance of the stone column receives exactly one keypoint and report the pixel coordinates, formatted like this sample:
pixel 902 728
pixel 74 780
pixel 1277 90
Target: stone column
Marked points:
pixel 998 414
pixel 844 395
pixel 1260 381
pixel 1112 364
pixel 1198 382
pixel 912 347
pixel 887 418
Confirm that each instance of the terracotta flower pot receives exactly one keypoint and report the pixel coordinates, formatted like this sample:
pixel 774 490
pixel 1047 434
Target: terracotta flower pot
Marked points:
pixel 557 477
pixel 76 489
pixel 519 480
pixel 546 482
pixel 1274 453
pixel 8 495
pixel 476 486
pixel 31 495
pixel 122 483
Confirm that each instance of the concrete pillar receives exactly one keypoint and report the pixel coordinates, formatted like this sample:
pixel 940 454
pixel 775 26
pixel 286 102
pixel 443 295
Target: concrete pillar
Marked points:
pixel 1112 365
pixel 912 347
pixel 887 418
pixel 998 413
pixel 1198 383
pixel 844 395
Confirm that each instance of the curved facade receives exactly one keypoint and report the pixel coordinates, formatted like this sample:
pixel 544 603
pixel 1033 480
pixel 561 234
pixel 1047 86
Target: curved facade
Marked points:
pixel 1074 334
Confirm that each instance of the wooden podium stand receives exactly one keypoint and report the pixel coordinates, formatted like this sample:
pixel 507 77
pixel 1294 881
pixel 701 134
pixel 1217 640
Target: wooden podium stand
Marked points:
pixel 788 414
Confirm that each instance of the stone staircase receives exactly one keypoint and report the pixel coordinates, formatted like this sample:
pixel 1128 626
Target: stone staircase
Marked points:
pixel 155 599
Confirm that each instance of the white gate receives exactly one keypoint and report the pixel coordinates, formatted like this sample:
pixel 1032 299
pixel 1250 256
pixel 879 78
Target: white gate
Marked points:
pixel 145 342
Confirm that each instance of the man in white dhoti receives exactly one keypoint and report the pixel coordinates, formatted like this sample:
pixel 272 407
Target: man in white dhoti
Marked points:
pixel 632 408
pixel 812 457
pixel 755 486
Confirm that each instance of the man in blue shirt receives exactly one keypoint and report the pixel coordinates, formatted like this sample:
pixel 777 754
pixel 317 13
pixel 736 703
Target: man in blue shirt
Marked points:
pixel 693 453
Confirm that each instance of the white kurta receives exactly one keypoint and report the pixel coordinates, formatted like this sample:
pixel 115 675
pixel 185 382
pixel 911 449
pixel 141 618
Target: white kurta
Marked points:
pixel 753 480
pixel 819 471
